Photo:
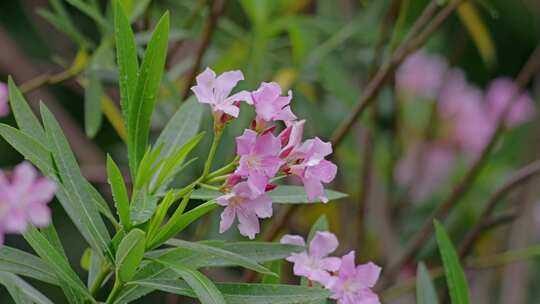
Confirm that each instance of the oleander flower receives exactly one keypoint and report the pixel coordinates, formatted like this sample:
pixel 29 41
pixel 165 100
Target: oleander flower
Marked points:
pixel 246 205
pixel 314 263
pixel 308 163
pixel 291 137
pixel 500 92
pixel 421 75
pixel 215 91
pixel 270 105
pixel 353 283
pixel 4 105
pixel 23 200
pixel 259 158
pixel 457 95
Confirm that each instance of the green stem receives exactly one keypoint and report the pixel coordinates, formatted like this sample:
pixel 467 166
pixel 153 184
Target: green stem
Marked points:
pixel 211 155
pixel 217 179
pixel 102 275
pixel 209 187
pixel 223 170
pixel 114 292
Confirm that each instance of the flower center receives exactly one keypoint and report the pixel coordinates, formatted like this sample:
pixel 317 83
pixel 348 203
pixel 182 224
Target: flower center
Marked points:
pixel 235 201
pixel 253 161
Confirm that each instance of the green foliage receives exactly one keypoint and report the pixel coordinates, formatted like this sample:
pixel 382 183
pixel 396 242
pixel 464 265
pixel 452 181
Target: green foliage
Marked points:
pixel 455 276
pixel 22 292
pixel 425 291
pixel 129 255
pixel 119 192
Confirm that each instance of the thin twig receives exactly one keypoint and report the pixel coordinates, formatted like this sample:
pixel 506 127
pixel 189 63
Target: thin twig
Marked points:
pixel 424 233
pixel 409 45
pixel 216 8
pixel 518 179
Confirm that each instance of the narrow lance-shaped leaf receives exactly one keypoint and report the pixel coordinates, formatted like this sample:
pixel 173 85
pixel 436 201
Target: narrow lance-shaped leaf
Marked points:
pixel 79 204
pixel 146 91
pixel 129 255
pixel 205 290
pixel 126 53
pixel 455 276
pixel 26 120
pixel 320 225
pixel 19 262
pixel 425 291
pixel 22 292
pixel 119 192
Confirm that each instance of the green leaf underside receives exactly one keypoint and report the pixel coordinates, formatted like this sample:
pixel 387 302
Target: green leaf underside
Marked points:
pixel 205 290
pixel 238 293
pixel 25 264
pixel 21 291
pixel 282 195
pixel 129 254
pixel 455 276
pixel 74 194
pixel 425 290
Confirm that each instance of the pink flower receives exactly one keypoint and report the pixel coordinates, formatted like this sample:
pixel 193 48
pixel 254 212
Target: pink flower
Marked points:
pixel 314 264
pixel 248 206
pixel 24 200
pixel 270 105
pixel 424 168
pixel 259 160
pixel 353 283
pixel 216 90
pixel 308 163
pixel 500 92
pixel 291 137
pixel 4 105
pixel 473 128
pixel 421 75
pixel 456 95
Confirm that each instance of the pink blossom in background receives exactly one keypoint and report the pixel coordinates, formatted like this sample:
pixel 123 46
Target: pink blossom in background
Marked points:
pixel 215 91
pixel 421 75
pixel 353 283
pixel 473 128
pixel 24 199
pixel 500 92
pixel 424 168
pixel 314 264
pixel 4 105
pixel 270 105
pixel 246 205
pixel 308 163
pixel 456 94
pixel 259 158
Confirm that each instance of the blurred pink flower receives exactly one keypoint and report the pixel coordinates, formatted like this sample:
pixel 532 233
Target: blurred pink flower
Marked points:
pixel 473 128
pixel 456 94
pixel 308 163
pixel 270 105
pixel 424 168
pixel 353 283
pixel 259 160
pixel 314 264
pixel 421 75
pixel 4 105
pixel 500 92
pixel 215 91
pixel 24 200
pixel 248 206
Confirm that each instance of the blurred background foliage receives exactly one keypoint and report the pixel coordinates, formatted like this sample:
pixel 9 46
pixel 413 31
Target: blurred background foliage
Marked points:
pixel 323 50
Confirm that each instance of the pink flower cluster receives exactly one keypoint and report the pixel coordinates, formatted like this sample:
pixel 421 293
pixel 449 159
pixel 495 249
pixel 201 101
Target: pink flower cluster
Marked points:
pixel 350 283
pixel 263 155
pixel 470 115
pixel 24 199
pixel 4 105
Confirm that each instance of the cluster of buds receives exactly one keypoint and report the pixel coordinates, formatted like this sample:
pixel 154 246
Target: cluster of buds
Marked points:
pixel 263 155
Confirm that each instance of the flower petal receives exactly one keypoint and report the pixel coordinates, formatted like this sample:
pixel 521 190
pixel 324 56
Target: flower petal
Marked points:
pixel 323 243
pixel 293 240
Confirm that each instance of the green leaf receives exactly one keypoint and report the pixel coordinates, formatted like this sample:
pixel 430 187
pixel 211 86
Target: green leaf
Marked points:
pixel 241 293
pixel 175 225
pixel 129 255
pixel 22 292
pixel 62 22
pixel 455 276
pixel 26 120
pixel 101 204
pixel 320 225
pixel 146 91
pixel 74 194
pixel 275 267
pixel 119 192
pixel 126 52
pixel 57 261
pixel 93 116
pixel 91 12
pixel 425 291
pixel 281 195
pixel 205 290
pixel 143 206
pixel 182 127
pixel 31 149
pixel 19 262
pixel 231 257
